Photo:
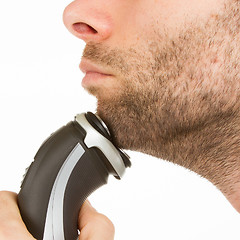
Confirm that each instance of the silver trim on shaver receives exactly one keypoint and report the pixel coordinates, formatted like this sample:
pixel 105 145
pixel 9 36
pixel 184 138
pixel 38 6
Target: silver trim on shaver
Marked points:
pixel 103 123
pixel 94 139
pixel 54 229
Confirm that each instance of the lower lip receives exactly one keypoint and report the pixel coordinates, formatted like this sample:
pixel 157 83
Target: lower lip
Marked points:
pixel 93 78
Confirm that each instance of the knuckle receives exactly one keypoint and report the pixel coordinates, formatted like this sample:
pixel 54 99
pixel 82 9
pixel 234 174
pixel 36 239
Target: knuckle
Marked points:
pixel 3 194
pixel 6 195
pixel 105 222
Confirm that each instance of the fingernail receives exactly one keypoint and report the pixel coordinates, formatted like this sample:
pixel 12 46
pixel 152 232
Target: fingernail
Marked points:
pixel 89 202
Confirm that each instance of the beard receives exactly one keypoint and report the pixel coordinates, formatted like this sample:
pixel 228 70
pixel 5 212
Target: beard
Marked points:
pixel 177 98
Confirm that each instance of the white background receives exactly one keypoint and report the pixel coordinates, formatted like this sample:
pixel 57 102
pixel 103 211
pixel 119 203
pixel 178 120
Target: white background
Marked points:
pixel 40 90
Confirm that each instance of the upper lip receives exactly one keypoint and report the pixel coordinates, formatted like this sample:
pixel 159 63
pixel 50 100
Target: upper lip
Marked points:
pixel 87 66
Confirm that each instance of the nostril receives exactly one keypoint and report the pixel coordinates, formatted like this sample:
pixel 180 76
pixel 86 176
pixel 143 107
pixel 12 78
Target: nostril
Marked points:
pixel 83 28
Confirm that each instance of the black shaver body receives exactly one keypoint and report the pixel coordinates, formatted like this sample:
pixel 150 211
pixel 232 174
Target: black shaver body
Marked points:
pixel 72 163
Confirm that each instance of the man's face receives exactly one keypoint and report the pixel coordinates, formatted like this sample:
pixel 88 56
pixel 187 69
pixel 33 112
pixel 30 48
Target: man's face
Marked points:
pixel 174 69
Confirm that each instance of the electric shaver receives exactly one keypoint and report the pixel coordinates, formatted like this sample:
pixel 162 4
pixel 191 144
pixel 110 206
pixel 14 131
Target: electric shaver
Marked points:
pixel 72 163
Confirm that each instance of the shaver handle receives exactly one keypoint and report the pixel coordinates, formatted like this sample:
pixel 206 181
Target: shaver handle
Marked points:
pixel 85 179
pixel 53 190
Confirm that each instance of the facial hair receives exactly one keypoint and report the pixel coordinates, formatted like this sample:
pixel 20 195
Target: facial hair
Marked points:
pixel 178 98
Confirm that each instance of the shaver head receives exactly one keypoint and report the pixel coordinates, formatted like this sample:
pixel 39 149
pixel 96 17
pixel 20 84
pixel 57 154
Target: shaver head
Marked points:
pixel 102 128
pixel 93 125
pixel 98 124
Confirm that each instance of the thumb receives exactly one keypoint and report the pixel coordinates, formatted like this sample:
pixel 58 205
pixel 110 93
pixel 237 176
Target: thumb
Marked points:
pixel 94 225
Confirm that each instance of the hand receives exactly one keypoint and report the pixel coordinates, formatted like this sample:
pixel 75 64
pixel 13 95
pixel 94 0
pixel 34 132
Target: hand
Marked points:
pixel 92 225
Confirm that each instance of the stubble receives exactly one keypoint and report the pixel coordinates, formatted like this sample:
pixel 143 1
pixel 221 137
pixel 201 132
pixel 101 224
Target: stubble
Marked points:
pixel 179 99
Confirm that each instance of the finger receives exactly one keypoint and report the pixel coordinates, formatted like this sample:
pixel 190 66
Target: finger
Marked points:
pixel 11 224
pixel 94 225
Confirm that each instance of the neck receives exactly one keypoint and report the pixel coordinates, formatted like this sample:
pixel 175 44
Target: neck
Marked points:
pixel 212 151
pixel 234 197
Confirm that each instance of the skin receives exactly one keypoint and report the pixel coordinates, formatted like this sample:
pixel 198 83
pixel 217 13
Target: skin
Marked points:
pixel 174 87
pixel 175 80
pixel 92 225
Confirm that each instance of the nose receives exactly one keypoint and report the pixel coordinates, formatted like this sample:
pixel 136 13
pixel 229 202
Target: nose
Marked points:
pixel 89 20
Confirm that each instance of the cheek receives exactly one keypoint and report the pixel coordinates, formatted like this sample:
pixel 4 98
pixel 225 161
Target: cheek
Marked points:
pixel 137 22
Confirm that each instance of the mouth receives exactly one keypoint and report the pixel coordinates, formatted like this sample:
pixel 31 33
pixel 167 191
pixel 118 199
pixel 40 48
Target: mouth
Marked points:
pixel 94 75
